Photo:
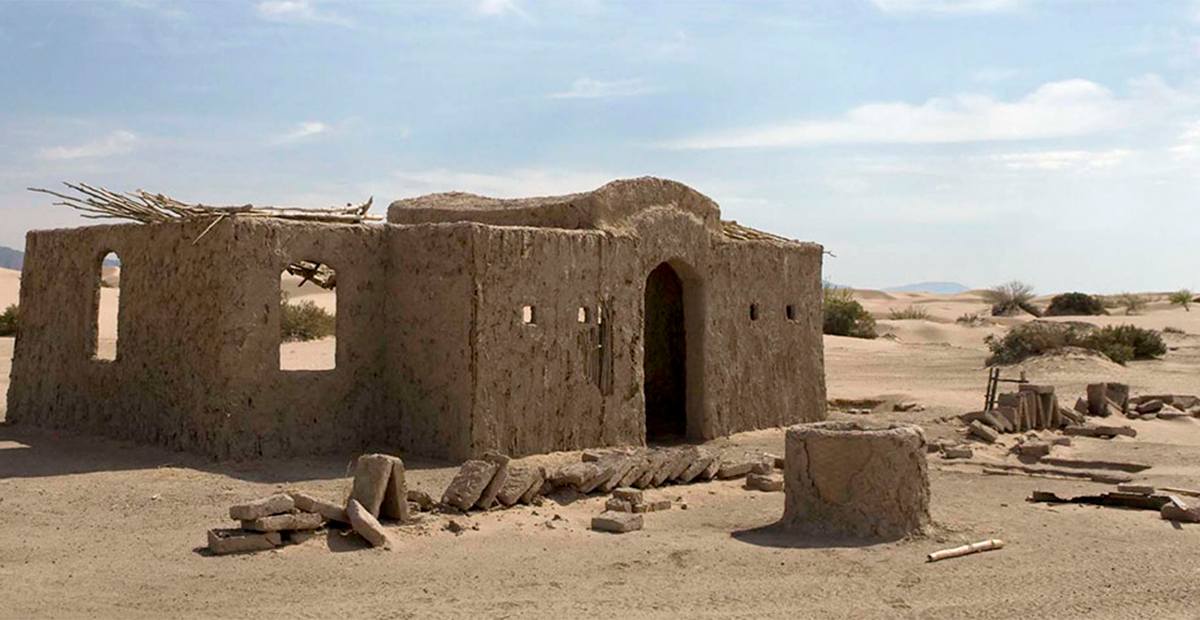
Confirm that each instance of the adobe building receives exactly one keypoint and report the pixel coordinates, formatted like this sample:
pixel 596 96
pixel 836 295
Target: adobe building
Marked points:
pixel 625 315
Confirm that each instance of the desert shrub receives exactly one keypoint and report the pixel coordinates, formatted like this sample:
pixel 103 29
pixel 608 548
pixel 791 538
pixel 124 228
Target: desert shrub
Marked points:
pixel 1121 343
pixel 972 319
pixel 8 321
pixel 304 321
pixel 844 316
pixel 911 313
pixel 1075 304
pixel 1173 330
pixel 1011 298
pixel 1132 303
pixel 1182 298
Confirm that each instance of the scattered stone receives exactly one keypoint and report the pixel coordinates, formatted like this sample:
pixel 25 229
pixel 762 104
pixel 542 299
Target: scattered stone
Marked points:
pixel 455 527
pixel 468 485
pixel 273 505
pixel 395 493
pixel 372 472
pixel 1173 512
pixel 286 521
pixel 531 496
pixel 421 499
pixel 684 457
pixel 763 467
pixel 713 468
pixel 767 483
pixel 1100 430
pixel 670 459
pixel 1136 489
pixel 693 471
pixel 617 505
pixel 366 525
pixel 575 475
pixel 630 495
pixel 957 452
pixel 518 481
pixel 658 505
pixel 226 541
pixel 1033 448
pixel 621 465
pixel 328 510
pixel 616 522
pixel 1150 406
pixel 1061 441
pixel 983 432
pixel 488 497
pixel 735 469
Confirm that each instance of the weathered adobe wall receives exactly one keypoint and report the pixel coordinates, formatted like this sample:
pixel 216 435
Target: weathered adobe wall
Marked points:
pixel 535 391
pixel 265 411
pixel 173 298
pixel 430 299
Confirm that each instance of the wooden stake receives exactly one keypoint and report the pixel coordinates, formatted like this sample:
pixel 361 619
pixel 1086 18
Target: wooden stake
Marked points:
pixel 986 545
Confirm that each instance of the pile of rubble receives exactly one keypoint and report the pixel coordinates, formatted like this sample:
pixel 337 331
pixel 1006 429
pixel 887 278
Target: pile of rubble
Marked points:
pixel 1036 407
pixel 1169 506
pixel 379 491
pixel 1107 399
pixel 495 480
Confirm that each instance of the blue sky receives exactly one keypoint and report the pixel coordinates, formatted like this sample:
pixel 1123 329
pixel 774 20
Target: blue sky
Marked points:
pixel 971 140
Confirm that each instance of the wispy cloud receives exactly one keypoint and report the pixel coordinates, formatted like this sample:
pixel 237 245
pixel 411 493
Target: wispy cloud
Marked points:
pixel 300 12
pixel 947 6
pixel 1055 109
pixel 1188 143
pixel 1062 160
pixel 115 143
pixel 517 183
pixel 587 88
pixel 302 131
pixel 500 7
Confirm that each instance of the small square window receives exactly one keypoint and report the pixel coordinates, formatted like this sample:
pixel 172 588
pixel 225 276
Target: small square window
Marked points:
pixel 791 312
pixel 753 312
pixel 529 315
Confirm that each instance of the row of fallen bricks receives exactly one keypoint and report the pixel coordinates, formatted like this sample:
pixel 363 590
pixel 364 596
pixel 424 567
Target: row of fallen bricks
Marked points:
pixel 379 491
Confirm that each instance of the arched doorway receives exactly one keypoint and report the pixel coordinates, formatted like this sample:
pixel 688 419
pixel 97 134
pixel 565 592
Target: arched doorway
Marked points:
pixel 664 356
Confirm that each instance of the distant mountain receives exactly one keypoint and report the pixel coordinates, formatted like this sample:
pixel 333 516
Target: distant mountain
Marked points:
pixel 937 288
pixel 11 259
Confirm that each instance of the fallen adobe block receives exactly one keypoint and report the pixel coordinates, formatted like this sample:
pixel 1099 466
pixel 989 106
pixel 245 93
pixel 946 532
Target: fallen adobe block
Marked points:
pixel 957 452
pixel 535 489
pixel 366 525
pixel 468 484
pixel 488 497
pixel 575 475
pixel 848 479
pixel 1150 406
pixel 697 467
pixel 328 510
pixel 617 505
pixel 620 464
pixel 735 469
pixel 985 433
pixel 616 522
pixel 1100 430
pixel 1136 489
pixel 767 483
pixel 273 505
pixel 1173 512
pixel 518 481
pixel 421 499
pixel 286 521
pixel 225 541
pixel 713 467
pixel 395 494
pixel 1034 448
pixel 626 494
pixel 371 475
pixel 671 458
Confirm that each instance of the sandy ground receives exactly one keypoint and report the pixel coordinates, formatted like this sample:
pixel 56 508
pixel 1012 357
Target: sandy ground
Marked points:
pixel 99 528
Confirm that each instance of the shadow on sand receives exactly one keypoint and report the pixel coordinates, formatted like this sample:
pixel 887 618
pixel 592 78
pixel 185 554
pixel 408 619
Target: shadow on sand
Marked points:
pixel 775 535
pixel 28 452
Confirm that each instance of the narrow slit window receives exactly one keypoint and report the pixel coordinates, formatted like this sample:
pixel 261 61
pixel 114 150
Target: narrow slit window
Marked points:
pixel 308 322
pixel 529 315
pixel 585 314
pixel 791 312
pixel 753 312
pixel 108 308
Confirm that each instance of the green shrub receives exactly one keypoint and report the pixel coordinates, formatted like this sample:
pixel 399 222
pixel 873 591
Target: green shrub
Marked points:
pixel 305 321
pixel 8 321
pixel 1075 304
pixel 1121 343
pixel 1182 298
pixel 844 316
pixel 911 313
pixel 1011 298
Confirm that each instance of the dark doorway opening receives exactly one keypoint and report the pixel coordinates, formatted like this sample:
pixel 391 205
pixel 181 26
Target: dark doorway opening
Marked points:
pixel 664 358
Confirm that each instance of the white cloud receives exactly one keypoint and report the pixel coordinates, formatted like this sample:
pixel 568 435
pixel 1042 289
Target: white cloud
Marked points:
pixel 1061 160
pixel 299 12
pixel 500 7
pixel 518 183
pixel 1055 109
pixel 115 143
pixel 1188 143
pixel 587 88
pixel 947 6
pixel 302 131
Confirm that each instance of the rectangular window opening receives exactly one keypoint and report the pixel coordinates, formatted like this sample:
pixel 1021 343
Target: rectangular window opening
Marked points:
pixel 753 312
pixel 529 315
pixel 308 317
pixel 108 309
pixel 791 312
pixel 585 314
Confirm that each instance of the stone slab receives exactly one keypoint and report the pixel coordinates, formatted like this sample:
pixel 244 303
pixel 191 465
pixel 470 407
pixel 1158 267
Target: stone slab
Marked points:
pixel 226 541
pixel 273 505
pixel 468 484
pixel 617 522
pixel 366 525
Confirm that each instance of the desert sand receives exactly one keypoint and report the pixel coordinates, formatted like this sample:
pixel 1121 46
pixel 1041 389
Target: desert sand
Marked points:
pixel 100 528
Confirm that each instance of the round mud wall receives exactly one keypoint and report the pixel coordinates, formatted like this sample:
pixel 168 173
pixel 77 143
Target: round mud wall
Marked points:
pixel 848 480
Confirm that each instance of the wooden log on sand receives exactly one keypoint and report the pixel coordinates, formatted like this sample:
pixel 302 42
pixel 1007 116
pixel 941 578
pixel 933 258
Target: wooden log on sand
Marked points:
pixel 957 552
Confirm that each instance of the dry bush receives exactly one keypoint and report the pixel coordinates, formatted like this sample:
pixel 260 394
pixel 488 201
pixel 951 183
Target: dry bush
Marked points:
pixel 1132 303
pixel 1121 343
pixel 1011 298
pixel 972 319
pixel 1182 297
pixel 911 313
pixel 304 321
pixel 1075 304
